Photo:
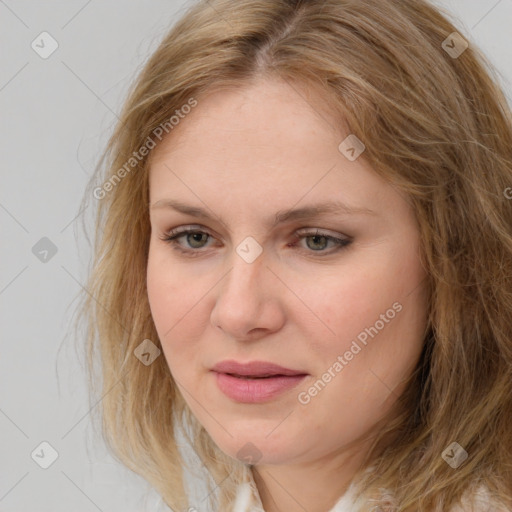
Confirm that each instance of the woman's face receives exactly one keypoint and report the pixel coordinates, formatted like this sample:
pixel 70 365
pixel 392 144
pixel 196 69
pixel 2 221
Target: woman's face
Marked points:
pixel 345 318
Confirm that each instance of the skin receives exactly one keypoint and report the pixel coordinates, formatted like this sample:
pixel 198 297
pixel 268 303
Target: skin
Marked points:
pixel 246 154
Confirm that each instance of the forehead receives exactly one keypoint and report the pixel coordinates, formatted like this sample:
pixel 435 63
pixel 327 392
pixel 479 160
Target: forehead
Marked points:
pixel 254 114
pixel 265 144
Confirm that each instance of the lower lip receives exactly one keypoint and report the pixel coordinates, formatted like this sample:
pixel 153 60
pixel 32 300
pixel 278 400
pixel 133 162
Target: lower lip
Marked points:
pixel 256 390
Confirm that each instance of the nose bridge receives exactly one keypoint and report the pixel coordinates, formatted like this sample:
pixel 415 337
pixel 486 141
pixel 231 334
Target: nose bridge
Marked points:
pixel 243 303
pixel 247 272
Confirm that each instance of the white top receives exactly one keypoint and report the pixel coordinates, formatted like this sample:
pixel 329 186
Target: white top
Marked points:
pixel 248 500
pixel 243 501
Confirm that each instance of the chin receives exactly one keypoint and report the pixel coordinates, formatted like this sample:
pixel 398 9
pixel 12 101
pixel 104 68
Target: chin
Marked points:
pixel 257 449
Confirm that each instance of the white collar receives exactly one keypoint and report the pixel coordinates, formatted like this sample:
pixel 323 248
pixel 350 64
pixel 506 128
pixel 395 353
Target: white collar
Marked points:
pixel 247 493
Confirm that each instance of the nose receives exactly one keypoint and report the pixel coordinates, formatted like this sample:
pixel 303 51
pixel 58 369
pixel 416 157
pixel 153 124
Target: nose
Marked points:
pixel 249 301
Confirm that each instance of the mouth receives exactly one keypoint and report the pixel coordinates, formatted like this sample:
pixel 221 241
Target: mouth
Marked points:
pixel 255 369
pixel 255 382
pixel 254 377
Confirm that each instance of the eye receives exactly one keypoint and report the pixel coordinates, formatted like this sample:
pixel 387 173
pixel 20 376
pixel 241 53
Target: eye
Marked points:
pixel 317 241
pixel 196 239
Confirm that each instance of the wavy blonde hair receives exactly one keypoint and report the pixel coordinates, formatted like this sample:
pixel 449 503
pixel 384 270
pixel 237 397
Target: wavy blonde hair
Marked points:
pixel 436 126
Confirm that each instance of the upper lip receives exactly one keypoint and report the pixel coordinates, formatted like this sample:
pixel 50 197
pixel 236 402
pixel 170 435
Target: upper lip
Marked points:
pixel 254 369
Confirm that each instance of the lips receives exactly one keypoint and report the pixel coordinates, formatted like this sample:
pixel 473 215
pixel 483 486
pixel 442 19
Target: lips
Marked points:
pixel 255 369
pixel 255 382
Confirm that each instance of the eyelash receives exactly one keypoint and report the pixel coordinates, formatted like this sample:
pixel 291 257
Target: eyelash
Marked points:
pixel 172 236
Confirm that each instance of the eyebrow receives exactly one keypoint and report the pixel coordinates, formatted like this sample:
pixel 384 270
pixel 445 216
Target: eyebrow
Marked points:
pixel 306 212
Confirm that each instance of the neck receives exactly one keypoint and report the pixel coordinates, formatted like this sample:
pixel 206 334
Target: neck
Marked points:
pixel 313 486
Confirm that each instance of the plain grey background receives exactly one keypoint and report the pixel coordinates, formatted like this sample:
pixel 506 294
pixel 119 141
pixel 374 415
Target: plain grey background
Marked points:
pixel 56 116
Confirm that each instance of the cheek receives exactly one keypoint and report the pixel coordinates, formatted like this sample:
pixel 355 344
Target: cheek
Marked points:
pixel 375 314
pixel 161 288
pixel 177 303
pixel 167 301
pixel 342 306
pixel 170 292
pixel 369 383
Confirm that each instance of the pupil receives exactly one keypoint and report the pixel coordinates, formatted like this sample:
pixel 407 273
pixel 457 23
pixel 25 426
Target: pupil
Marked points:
pixel 200 235
pixel 316 237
